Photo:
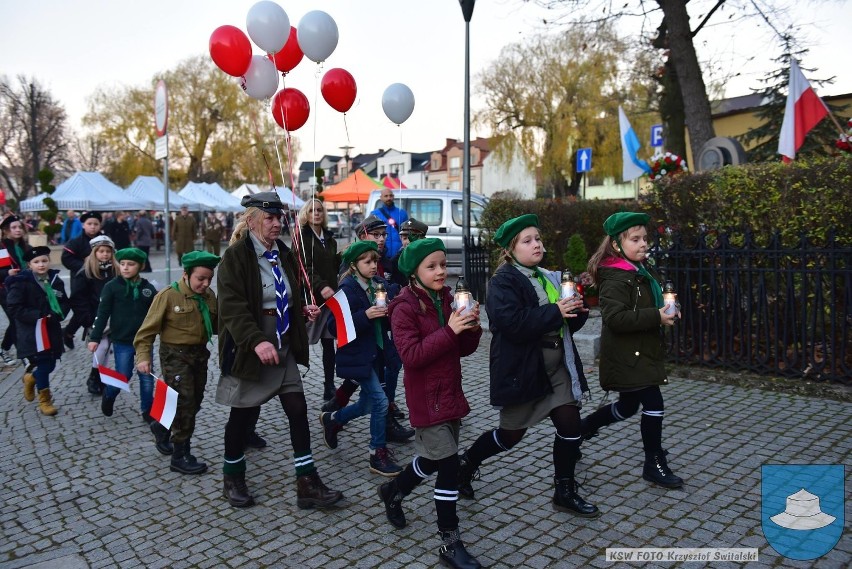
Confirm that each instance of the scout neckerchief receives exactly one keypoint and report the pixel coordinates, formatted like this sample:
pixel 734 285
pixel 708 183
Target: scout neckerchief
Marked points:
pixel 19 253
pixel 656 289
pixel 549 289
pixel 51 296
pixel 131 288
pixel 377 324
pixel 436 300
pixel 202 308
pixel 282 317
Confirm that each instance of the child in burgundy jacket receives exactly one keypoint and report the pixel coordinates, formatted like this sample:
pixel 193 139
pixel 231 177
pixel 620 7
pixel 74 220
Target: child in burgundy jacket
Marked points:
pixel 431 339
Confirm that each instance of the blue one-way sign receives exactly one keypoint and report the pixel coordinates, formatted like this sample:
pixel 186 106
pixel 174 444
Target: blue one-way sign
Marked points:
pixel 584 160
pixel 657 135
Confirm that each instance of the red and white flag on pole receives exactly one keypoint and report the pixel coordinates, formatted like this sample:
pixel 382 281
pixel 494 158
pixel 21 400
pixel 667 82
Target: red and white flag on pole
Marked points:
pixel 113 378
pixel 165 404
pixel 804 110
pixel 41 337
pixel 5 259
pixel 339 306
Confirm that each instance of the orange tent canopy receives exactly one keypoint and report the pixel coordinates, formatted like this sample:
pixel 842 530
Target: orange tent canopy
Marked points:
pixel 354 189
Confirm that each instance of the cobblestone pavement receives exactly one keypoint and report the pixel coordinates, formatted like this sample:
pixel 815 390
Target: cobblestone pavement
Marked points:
pixel 84 490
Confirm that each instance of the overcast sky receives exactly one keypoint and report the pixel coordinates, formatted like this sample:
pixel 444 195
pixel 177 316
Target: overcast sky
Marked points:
pixel 73 46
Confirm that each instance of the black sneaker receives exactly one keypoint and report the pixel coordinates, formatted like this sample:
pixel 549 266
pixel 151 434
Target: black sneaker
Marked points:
pixel 330 406
pixel 7 359
pixel 107 405
pixel 255 441
pixel 330 428
pixel 67 339
pixel 381 462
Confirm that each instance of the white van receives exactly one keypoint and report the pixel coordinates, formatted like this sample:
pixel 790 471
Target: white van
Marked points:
pixel 441 210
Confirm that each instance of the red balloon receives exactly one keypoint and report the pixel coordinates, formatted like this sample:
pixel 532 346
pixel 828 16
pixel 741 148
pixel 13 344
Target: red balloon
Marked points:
pixel 290 109
pixel 338 89
pixel 230 50
pixel 290 55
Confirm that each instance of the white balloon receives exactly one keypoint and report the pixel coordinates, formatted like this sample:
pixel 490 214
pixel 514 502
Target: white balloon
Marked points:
pixel 268 26
pixel 398 102
pixel 261 79
pixel 317 34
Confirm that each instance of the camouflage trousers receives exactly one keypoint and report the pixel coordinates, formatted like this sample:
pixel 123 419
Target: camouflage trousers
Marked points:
pixel 185 370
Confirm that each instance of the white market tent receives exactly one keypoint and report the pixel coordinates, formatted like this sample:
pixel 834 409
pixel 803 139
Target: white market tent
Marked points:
pixel 87 191
pixel 150 188
pixel 211 196
pixel 287 197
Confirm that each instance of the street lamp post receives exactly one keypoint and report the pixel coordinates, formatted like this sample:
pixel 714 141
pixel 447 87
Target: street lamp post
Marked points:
pixel 467 12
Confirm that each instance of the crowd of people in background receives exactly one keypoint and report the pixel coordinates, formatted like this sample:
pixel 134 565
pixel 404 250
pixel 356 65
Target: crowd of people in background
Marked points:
pixel 270 307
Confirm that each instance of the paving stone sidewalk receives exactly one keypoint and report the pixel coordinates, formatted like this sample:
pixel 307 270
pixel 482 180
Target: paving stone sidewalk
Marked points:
pixel 83 490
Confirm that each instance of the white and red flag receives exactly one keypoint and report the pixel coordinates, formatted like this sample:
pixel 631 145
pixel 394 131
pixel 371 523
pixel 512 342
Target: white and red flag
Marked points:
pixel 113 378
pixel 339 306
pixel 165 404
pixel 5 259
pixel 804 110
pixel 41 337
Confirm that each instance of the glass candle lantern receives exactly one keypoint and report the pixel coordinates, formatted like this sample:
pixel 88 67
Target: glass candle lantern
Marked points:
pixel 569 287
pixel 463 299
pixel 381 299
pixel 670 298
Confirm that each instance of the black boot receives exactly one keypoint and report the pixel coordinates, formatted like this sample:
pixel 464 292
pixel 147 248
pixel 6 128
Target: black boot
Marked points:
pixel 392 498
pixel 93 383
pixel 566 499
pixel 657 471
pixel 467 474
pixel 312 493
pixel 107 404
pixel 328 389
pixel 395 432
pixel 184 462
pixel 161 436
pixel 395 411
pixel 236 491
pixel 452 552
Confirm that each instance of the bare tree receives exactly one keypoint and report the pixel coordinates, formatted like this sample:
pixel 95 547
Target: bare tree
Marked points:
pixel 33 135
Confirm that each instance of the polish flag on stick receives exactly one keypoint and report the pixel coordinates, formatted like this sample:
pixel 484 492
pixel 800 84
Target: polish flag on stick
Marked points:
pixel 5 259
pixel 339 306
pixel 113 378
pixel 165 404
pixel 41 337
pixel 804 111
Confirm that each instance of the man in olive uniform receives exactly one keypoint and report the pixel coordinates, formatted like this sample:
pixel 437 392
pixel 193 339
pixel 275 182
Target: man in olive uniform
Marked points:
pixel 184 314
pixel 213 229
pixel 184 229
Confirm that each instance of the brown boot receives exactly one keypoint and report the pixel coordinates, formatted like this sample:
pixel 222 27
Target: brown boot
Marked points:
pixel 311 492
pixel 29 386
pixel 45 403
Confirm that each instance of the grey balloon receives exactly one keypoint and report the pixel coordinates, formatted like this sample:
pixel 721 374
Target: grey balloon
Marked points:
pixel 398 103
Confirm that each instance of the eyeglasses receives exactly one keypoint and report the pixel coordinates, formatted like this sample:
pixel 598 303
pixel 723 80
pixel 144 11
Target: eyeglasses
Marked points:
pixel 382 235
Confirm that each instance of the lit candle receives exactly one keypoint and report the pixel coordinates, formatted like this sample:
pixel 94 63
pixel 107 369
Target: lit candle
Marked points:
pixel 463 299
pixel 569 287
pixel 381 296
pixel 670 298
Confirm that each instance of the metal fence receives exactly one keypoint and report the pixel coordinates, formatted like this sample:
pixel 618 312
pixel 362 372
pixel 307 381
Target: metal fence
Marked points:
pixel 480 269
pixel 765 309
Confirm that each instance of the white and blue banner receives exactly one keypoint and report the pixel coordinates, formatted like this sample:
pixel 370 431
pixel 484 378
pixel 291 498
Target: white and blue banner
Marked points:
pixel 633 166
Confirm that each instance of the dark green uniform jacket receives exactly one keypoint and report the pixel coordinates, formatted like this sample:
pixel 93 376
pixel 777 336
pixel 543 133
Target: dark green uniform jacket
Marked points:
pixel 632 351
pixel 240 302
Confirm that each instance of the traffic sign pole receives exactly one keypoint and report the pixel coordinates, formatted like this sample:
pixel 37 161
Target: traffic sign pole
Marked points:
pixel 161 122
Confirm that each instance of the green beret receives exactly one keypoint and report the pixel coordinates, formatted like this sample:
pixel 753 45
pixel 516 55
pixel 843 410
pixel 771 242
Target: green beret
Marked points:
pixel 506 232
pixel 199 259
pixel 131 254
pixel 416 251
pixel 618 223
pixel 351 253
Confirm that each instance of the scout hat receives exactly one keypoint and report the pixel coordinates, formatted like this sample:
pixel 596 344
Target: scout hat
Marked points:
pixel 414 254
pixel 618 223
pixel 131 254
pixel 199 259
pixel 9 220
pixel 351 253
pixel 415 229
pixel 101 240
pixel 370 223
pixel 39 251
pixel 506 232
pixel 265 201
